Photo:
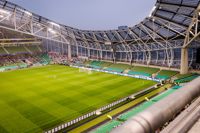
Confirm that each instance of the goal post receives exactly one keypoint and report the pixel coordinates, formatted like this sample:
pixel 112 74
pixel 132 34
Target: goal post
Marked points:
pixel 85 70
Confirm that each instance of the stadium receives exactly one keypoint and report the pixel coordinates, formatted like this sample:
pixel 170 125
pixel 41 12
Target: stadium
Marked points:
pixel 139 79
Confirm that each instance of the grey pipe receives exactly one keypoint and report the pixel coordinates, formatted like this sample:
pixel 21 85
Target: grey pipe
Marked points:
pixel 161 112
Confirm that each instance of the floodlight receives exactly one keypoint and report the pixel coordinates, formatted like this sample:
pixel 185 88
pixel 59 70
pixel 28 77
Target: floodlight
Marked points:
pixel 54 24
pixel 39 25
pixel 108 43
pixel 52 31
pixel 26 12
pixel 2 11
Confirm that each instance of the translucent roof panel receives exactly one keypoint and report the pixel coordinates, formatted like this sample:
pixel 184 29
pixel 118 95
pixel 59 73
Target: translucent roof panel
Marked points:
pixel 169 19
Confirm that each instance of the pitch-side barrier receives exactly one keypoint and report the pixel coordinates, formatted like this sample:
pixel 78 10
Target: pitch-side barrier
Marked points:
pixel 121 74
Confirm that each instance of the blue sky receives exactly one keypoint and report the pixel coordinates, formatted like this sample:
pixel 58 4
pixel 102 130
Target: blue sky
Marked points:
pixel 91 14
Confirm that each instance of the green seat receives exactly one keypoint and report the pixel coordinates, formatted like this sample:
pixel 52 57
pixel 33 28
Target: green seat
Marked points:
pixel 139 73
pixel 162 77
pixel 114 70
pixel 45 59
pixel 186 79
pixel 166 74
pixel 148 70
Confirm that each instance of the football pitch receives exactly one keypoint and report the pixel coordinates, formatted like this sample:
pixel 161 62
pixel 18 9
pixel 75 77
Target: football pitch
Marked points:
pixel 36 99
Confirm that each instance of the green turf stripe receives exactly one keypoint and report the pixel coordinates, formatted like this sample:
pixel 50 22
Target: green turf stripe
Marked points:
pixel 39 117
pixel 13 121
pixel 3 130
pixel 47 96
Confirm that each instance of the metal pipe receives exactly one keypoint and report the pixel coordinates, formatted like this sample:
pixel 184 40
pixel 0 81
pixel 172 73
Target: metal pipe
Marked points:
pixel 161 112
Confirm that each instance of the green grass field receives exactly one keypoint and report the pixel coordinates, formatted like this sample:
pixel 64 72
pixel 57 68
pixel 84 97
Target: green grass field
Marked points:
pixel 36 99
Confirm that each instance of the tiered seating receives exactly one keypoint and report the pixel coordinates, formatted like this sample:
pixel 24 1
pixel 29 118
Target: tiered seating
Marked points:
pixel 97 64
pixel 180 76
pixel 78 62
pixel 105 64
pixel 15 50
pixel 114 70
pixel 13 66
pixel 139 73
pixel 45 59
pixel 8 67
pixel 186 78
pixel 143 71
pixel 121 66
pixel 10 62
pixel 118 67
pixel 58 58
pixel 166 74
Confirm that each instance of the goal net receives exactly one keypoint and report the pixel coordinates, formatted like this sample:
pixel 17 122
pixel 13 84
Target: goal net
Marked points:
pixel 85 70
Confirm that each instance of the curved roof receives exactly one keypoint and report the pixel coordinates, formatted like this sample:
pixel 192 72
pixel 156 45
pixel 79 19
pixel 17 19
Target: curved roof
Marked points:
pixel 169 20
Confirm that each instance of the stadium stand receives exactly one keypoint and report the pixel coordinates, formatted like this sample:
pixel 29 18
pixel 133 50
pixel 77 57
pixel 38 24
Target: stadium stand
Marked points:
pixel 58 58
pixel 139 73
pixel 186 78
pixel 179 76
pixel 166 74
pixel 161 39
pixel 144 71
pixel 97 64
pixel 131 70
pixel 45 59
pixel 117 67
pixel 105 64
pixel 17 61
pixel 121 66
pixel 112 49
pixel 118 70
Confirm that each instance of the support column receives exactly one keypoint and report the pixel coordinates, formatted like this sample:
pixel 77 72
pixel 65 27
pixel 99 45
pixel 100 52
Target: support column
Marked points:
pixel 101 54
pixel 148 57
pixel 131 58
pixel 69 52
pixel 114 56
pixel 88 53
pixel 184 61
pixel 77 52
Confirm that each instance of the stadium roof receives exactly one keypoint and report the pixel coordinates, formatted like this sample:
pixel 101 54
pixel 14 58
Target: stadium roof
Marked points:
pixel 169 20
